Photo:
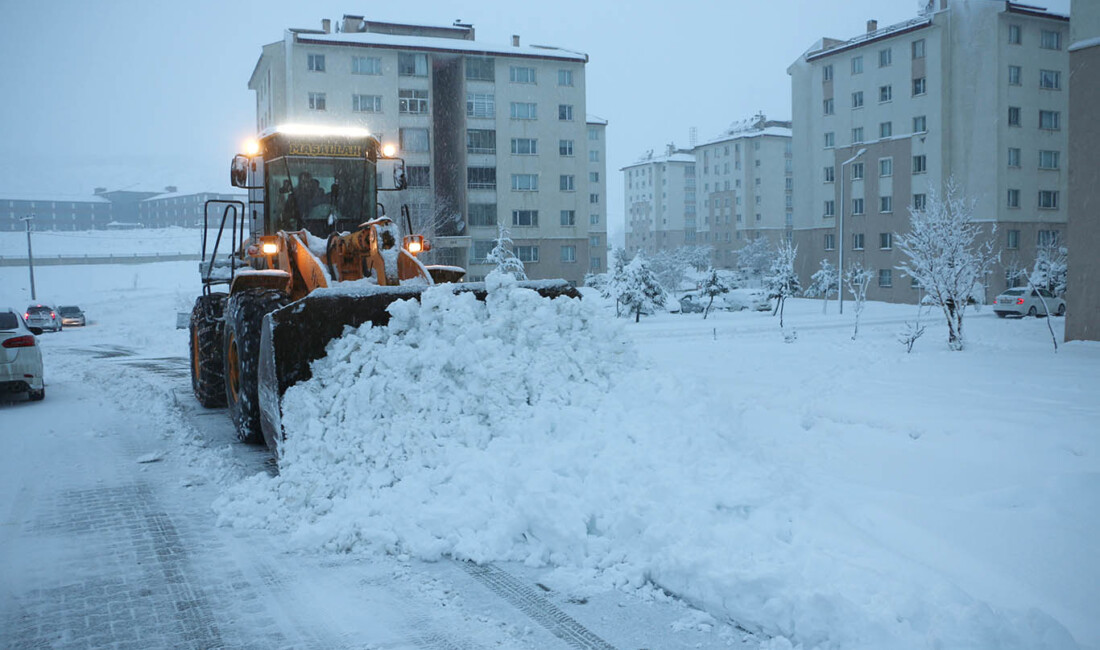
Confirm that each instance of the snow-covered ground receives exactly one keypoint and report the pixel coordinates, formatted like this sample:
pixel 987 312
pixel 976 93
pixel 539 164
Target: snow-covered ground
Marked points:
pixel 141 241
pixel 823 492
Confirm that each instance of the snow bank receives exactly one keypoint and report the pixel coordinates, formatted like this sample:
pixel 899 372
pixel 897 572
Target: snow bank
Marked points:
pixel 526 429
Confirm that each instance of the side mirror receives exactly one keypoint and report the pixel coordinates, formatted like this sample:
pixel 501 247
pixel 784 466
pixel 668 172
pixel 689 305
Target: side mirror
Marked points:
pixel 400 182
pixel 238 171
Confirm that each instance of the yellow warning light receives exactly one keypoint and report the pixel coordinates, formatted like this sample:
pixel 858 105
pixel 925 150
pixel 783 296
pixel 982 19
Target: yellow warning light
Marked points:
pixel 389 150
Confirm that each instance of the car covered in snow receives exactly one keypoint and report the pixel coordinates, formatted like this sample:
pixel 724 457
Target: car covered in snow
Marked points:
pixel 21 369
pixel 1025 301
pixel 691 303
pixel 43 315
pixel 71 315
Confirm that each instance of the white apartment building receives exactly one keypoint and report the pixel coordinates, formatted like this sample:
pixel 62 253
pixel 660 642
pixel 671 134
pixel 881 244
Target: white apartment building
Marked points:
pixel 734 187
pixel 491 134
pixel 973 90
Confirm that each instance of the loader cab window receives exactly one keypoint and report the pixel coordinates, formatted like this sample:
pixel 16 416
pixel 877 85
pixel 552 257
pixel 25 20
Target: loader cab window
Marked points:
pixel 321 195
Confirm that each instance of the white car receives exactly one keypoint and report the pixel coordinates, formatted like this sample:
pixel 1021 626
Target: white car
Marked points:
pixel 20 357
pixel 1024 301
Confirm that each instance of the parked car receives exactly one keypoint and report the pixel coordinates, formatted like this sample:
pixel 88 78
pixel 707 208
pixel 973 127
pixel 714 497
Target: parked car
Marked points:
pixel 754 299
pixel 690 304
pixel 1024 301
pixel 71 315
pixel 44 316
pixel 20 357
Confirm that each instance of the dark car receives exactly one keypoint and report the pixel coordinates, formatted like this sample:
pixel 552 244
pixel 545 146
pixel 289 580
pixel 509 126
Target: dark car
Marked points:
pixel 71 315
pixel 43 316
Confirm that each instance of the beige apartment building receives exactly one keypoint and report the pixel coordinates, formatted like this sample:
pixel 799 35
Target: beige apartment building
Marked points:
pixel 974 90
pixel 721 193
pixel 491 134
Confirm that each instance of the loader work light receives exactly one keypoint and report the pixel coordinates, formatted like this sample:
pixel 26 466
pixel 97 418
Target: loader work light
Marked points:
pixel 389 150
pixel 252 147
pixel 415 244
pixel 269 248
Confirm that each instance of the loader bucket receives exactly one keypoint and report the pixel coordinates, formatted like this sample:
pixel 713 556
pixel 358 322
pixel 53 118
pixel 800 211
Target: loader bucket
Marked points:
pixel 296 335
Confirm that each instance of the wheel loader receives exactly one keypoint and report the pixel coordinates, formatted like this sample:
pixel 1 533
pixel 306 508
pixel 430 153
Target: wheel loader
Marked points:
pixel 309 253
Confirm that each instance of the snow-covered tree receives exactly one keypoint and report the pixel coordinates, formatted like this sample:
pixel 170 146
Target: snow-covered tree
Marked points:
pixel 714 286
pixel 755 257
pixel 824 282
pixel 945 255
pixel 503 258
pixel 1050 268
pixel 638 289
pixel 671 266
pixel 857 278
pixel 781 281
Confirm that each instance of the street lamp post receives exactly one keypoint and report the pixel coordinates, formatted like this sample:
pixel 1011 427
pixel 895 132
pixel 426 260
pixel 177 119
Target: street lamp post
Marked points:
pixel 30 256
pixel 840 234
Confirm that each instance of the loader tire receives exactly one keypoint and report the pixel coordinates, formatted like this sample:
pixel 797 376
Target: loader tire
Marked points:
pixel 244 316
pixel 207 366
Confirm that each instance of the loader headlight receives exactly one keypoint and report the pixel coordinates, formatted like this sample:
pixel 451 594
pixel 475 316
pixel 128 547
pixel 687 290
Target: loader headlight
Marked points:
pixel 252 147
pixel 414 244
pixel 269 248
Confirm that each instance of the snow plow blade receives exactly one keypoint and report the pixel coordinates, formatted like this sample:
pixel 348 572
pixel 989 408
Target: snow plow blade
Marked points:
pixel 296 335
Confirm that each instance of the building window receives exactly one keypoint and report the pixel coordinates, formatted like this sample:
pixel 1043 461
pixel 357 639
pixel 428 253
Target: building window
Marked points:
pixel 366 65
pixel 1048 159
pixel 885 93
pixel 1012 239
pixel 1050 120
pixel 886 278
pixel 919 86
pixel 885 166
pixel 1014 116
pixel 885 57
pixel 593 134
pixel 524 111
pixel 1013 157
pixel 1014 75
pixel 483 214
pixel 1050 79
pixel 317 101
pixel 594 156
pixel 568 217
pixel 1013 199
pixel 525 146
pixel 481 141
pixel 830 210
pixel 566 183
pixel 857 241
pixel 828 106
pixel 830 241
pixel 886 204
pixel 565 112
pixel 886 240
pixel 414 140
pixel 593 219
pixel 525 182
pixel 480 105
pixel 595 263
pixel 565 147
pixel 525 217
pixel 857 171
pixel 565 77
pixel 1047 238
pixel 479 68
pixel 1014 34
pixel 920 164
pixel 830 140
pixel 857 65
pixel 366 103
pixel 480 250
pixel 829 174
pixel 521 75
pixel 412 101
pixel 593 177
pixel 857 206
pixel 412 65
pixel 1049 40
pixel 594 198
pixel 857 99
pixel 919 201
pixel 1048 199
pixel 918 49
pixel 316 62
pixel 481 178
pixel 920 124
pixel 419 175
pixel 827 73
pixel 885 129
pixel 857 134
pixel 527 254
pixel 568 254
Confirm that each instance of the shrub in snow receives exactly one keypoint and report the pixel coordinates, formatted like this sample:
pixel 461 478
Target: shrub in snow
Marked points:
pixel 857 279
pixel 636 288
pixel 824 282
pixel 945 256
pixel 909 335
pixel 1050 269
pixel 714 286
pixel 782 281
pixel 503 258
pixel 754 258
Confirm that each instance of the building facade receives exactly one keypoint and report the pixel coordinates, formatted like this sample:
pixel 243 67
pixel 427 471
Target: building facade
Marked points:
pixel 491 135
pixel 970 90
pixel 108 209
pixel 1083 240
pixel 659 193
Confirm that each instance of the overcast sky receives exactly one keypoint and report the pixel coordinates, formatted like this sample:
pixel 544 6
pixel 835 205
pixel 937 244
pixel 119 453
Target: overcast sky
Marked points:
pixel 131 93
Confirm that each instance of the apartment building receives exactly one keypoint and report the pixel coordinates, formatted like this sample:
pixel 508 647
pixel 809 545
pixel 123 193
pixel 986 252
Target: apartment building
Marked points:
pixel 974 90
pixel 659 197
pixel 131 208
pixel 492 135
pixel 1083 241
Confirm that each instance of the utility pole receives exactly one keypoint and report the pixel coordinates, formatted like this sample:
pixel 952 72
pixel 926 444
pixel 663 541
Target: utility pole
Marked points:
pixel 30 255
